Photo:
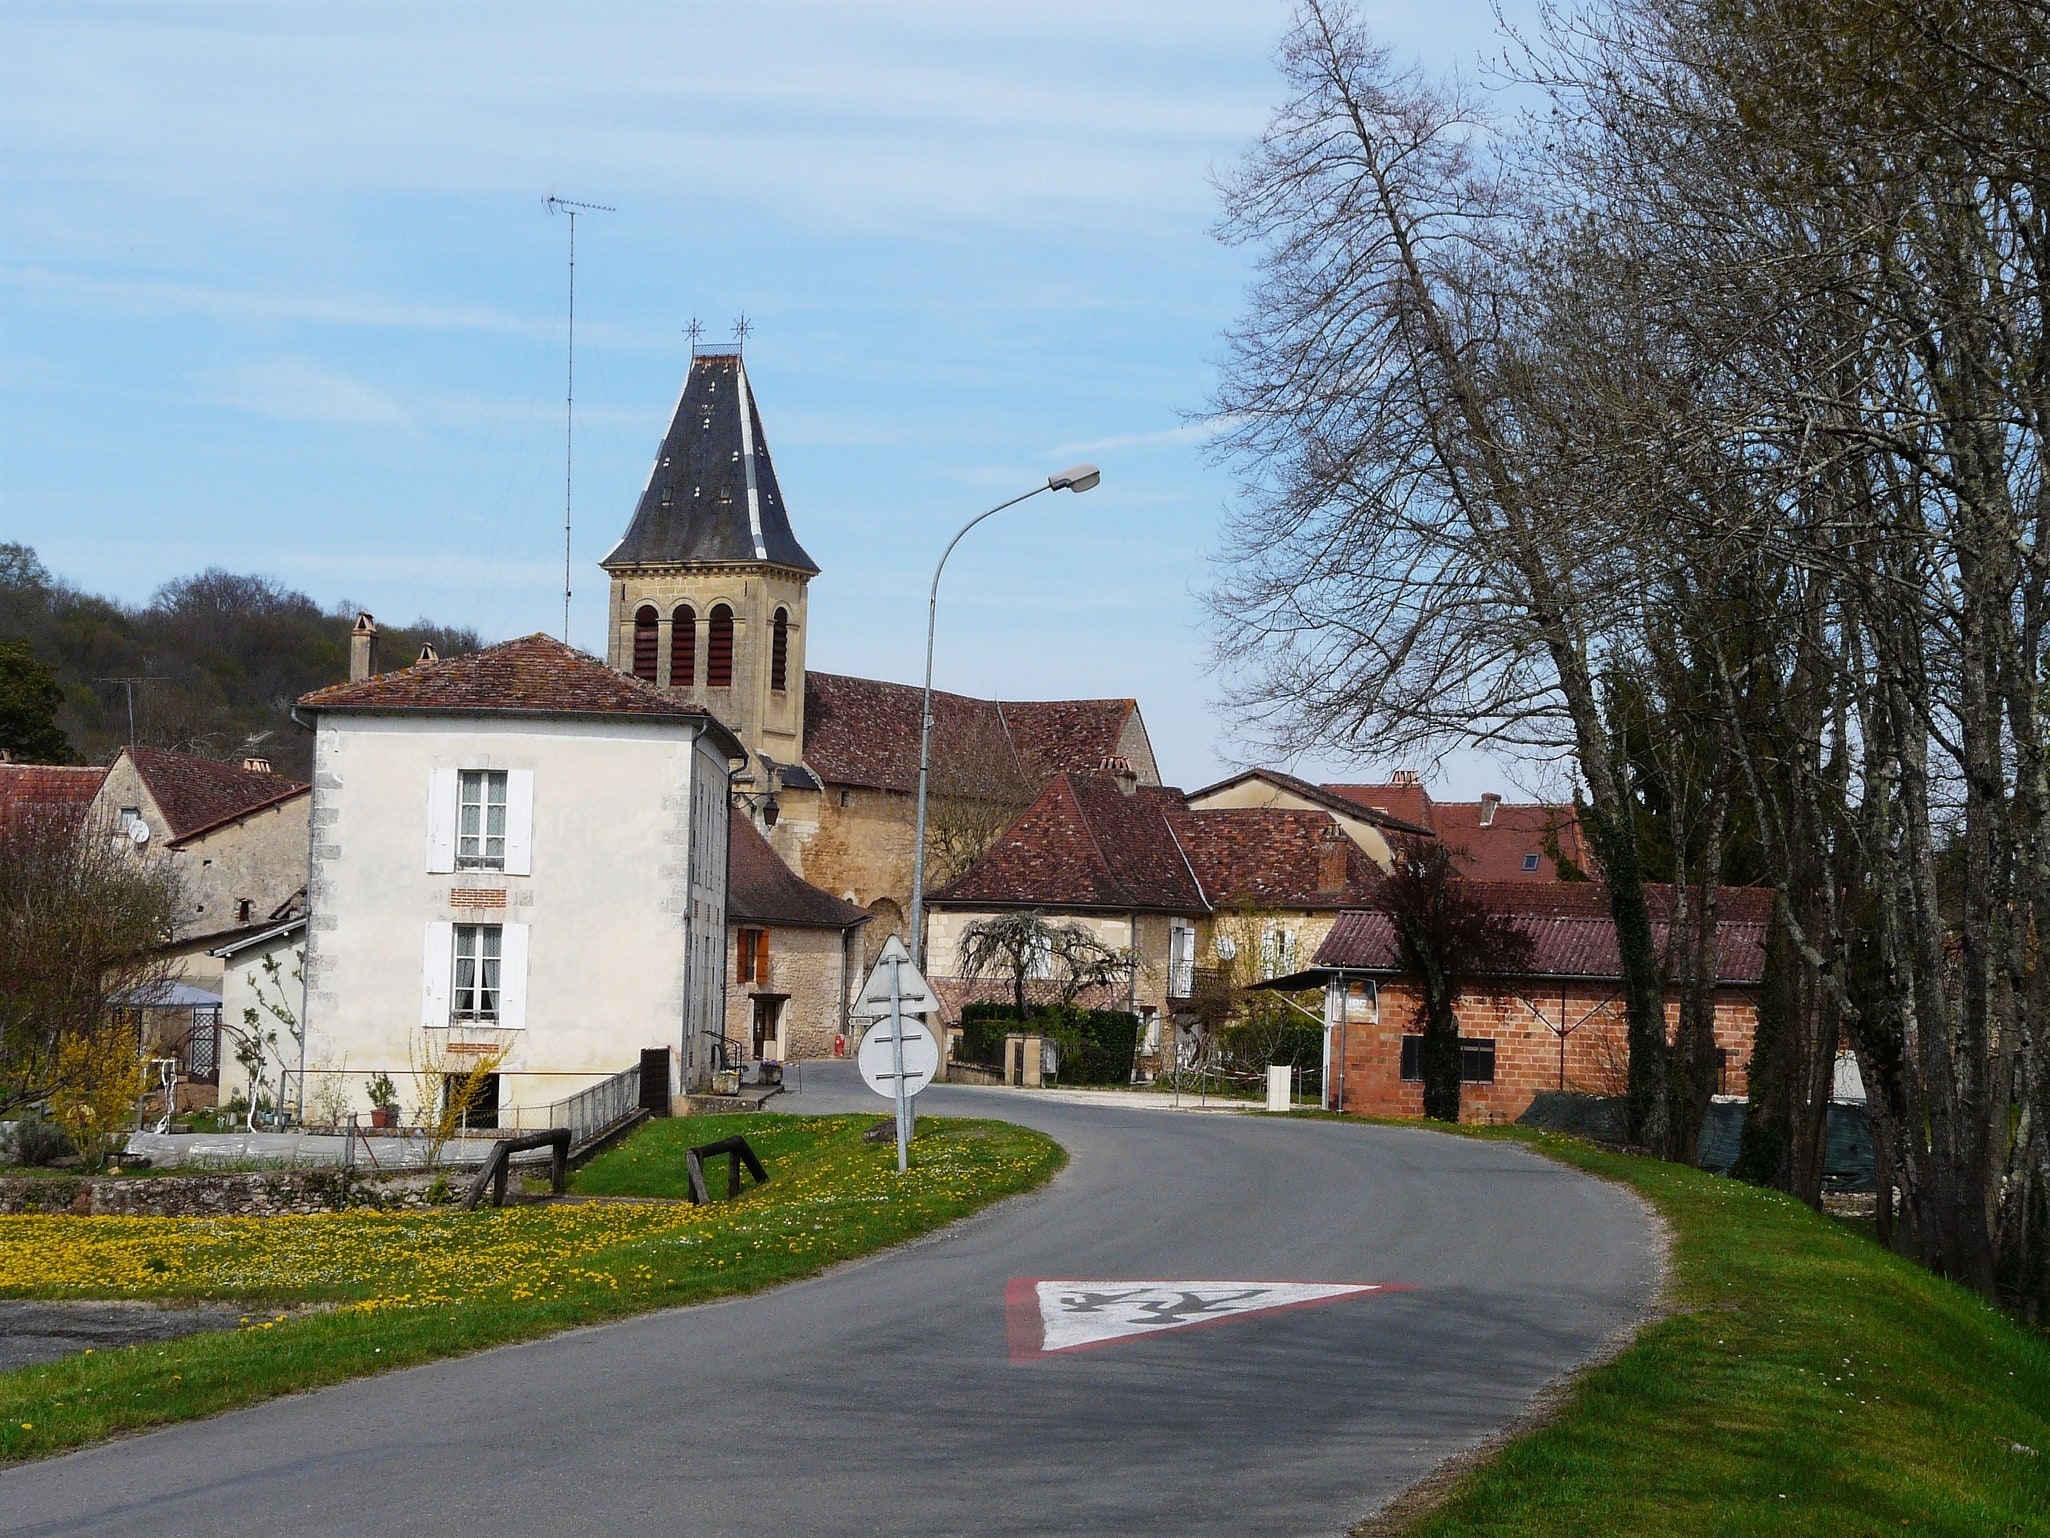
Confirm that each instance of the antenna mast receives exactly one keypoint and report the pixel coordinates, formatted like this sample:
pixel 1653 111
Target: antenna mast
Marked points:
pixel 569 431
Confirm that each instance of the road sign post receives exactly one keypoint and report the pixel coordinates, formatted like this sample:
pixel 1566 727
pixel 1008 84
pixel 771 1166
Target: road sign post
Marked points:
pixel 898 1056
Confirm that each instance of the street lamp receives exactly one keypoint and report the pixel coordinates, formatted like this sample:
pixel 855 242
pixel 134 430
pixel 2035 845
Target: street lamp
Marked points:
pixel 1075 478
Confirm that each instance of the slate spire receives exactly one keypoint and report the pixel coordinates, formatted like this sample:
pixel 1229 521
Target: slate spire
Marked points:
pixel 712 495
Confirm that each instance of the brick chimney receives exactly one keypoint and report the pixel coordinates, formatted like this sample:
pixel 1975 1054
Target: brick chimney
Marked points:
pixel 1489 801
pixel 1405 777
pixel 256 765
pixel 1120 769
pixel 362 648
pixel 1331 861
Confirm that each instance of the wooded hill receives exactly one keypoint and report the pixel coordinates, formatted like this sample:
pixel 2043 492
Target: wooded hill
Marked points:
pixel 222 656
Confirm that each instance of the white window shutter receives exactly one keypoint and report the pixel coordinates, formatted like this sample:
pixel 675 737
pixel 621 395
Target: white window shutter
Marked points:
pixel 441 820
pixel 519 822
pixel 512 977
pixel 436 968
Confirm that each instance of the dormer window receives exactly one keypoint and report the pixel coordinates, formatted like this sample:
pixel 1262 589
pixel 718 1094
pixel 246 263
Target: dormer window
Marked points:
pixel 668 496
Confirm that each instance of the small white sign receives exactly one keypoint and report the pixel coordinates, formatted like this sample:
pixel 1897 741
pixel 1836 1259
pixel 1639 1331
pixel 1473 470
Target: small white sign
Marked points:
pixel 1050 1316
pixel 914 993
pixel 877 1057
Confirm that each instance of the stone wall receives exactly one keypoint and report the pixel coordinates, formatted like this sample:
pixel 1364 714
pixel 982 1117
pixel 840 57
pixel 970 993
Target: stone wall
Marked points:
pixel 269 1193
pixel 1528 1058
pixel 806 966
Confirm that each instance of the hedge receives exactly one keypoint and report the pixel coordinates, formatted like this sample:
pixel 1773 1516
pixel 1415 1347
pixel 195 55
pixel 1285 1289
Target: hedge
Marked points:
pixel 1096 1045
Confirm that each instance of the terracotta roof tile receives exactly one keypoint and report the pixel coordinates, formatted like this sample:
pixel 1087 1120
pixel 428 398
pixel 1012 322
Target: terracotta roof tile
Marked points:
pixel 1086 844
pixel 1272 857
pixel 1570 930
pixel 761 889
pixel 27 785
pixel 1496 851
pixel 535 675
pixel 1330 797
pixel 863 731
pixel 199 794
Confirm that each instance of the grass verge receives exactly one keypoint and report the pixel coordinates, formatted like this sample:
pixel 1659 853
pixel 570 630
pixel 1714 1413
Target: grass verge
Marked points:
pixel 1805 1381
pixel 393 1290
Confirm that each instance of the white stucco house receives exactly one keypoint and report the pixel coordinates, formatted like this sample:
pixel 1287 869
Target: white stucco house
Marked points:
pixel 518 851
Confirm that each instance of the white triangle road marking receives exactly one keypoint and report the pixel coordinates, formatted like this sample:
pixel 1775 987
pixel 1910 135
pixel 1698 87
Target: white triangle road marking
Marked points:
pixel 1048 1316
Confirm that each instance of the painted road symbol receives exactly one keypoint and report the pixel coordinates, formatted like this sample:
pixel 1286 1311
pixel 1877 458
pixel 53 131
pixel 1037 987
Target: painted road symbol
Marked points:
pixel 1046 1317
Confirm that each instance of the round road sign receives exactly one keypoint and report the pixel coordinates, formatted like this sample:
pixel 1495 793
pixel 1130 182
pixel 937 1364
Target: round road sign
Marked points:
pixel 877 1057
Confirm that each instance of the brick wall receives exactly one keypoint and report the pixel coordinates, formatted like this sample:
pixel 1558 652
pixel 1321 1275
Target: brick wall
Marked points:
pixel 1528 1052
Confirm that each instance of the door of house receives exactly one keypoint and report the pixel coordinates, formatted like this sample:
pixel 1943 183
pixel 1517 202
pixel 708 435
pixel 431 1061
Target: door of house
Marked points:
pixel 768 1012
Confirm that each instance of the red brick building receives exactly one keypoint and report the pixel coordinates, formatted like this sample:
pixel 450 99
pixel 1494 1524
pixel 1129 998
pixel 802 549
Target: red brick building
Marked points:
pixel 1559 1025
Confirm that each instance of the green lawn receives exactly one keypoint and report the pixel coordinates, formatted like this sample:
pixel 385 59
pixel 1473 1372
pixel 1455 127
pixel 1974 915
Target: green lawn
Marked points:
pixel 1807 1382
pixel 364 1292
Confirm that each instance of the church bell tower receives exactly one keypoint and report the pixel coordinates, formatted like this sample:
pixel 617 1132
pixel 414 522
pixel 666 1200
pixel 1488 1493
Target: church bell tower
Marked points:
pixel 708 585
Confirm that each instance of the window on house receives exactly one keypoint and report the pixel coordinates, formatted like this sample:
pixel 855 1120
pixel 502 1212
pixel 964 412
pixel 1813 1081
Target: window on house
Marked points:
pixel 779 652
pixel 1476 1060
pixel 480 820
pixel 753 955
pixel 668 496
pixel 479 952
pixel 683 647
pixel 719 649
pixel 482 1110
pixel 1530 863
pixel 244 911
pixel 1277 952
pixel 647 633
pixel 847 798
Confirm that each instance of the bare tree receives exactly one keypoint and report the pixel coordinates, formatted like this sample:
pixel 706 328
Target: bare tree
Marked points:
pixel 82 925
pixel 1027 945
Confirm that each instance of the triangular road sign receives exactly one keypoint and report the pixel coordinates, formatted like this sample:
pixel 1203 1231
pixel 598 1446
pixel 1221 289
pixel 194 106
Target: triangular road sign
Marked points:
pixel 1046 1317
pixel 913 990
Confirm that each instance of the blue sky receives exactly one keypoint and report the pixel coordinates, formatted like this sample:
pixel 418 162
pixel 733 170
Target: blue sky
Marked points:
pixel 278 293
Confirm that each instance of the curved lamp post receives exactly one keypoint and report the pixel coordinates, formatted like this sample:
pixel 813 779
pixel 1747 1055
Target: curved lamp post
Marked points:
pixel 1074 478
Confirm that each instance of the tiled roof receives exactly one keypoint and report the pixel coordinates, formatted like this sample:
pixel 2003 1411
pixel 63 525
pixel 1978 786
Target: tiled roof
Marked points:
pixel 761 889
pixel 1272 857
pixel 24 786
pixel 712 495
pixel 199 794
pixel 1327 796
pixel 1495 851
pixel 1054 736
pixel 1086 844
pixel 1570 929
pixel 534 675
pixel 863 731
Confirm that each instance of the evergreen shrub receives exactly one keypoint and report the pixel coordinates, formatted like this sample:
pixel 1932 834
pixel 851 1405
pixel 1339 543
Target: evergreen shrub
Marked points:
pixel 1096 1045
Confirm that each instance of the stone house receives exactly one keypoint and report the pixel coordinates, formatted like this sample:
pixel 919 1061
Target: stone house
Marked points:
pixel 1558 1024
pixel 235 833
pixel 521 852
pixel 1193 893
pixel 708 592
pixel 792 960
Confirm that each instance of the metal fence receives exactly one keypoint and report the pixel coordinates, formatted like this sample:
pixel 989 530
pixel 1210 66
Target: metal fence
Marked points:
pixel 590 1111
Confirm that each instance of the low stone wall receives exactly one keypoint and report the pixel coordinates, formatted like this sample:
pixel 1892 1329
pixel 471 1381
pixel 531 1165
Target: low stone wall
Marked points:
pixel 268 1193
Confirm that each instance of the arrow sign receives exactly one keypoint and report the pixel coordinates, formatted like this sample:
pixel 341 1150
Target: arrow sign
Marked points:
pixel 1047 1317
pixel 914 993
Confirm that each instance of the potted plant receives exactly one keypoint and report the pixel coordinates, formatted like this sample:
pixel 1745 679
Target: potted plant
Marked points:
pixel 384 1101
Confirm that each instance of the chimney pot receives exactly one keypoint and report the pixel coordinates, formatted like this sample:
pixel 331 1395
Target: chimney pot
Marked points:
pixel 1489 801
pixel 1119 768
pixel 256 765
pixel 427 654
pixel 1407 777
pixel 362 648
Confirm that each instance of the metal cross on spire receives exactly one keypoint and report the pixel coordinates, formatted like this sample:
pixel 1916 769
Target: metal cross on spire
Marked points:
pixel 742 327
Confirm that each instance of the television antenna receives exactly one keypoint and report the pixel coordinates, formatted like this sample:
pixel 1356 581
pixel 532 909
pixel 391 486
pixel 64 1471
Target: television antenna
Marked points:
pixel 556 205
pixel 128 682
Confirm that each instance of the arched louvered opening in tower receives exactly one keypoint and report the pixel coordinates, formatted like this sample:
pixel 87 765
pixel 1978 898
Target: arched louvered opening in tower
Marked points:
pixel 719 649
pixel 647 628
pixel 779 652
pixel 683 647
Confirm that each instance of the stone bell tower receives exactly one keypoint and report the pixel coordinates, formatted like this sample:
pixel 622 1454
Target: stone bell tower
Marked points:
pixel 708 586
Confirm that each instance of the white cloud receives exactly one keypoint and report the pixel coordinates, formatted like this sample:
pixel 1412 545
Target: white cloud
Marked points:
pixel 296 391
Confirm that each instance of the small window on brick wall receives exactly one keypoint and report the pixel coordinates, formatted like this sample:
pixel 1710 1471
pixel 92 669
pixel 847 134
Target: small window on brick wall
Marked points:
pixel 647 629
pixel 1476 1059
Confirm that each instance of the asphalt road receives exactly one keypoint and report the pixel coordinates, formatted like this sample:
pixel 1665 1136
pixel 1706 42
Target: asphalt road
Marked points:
pixel 883 1398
